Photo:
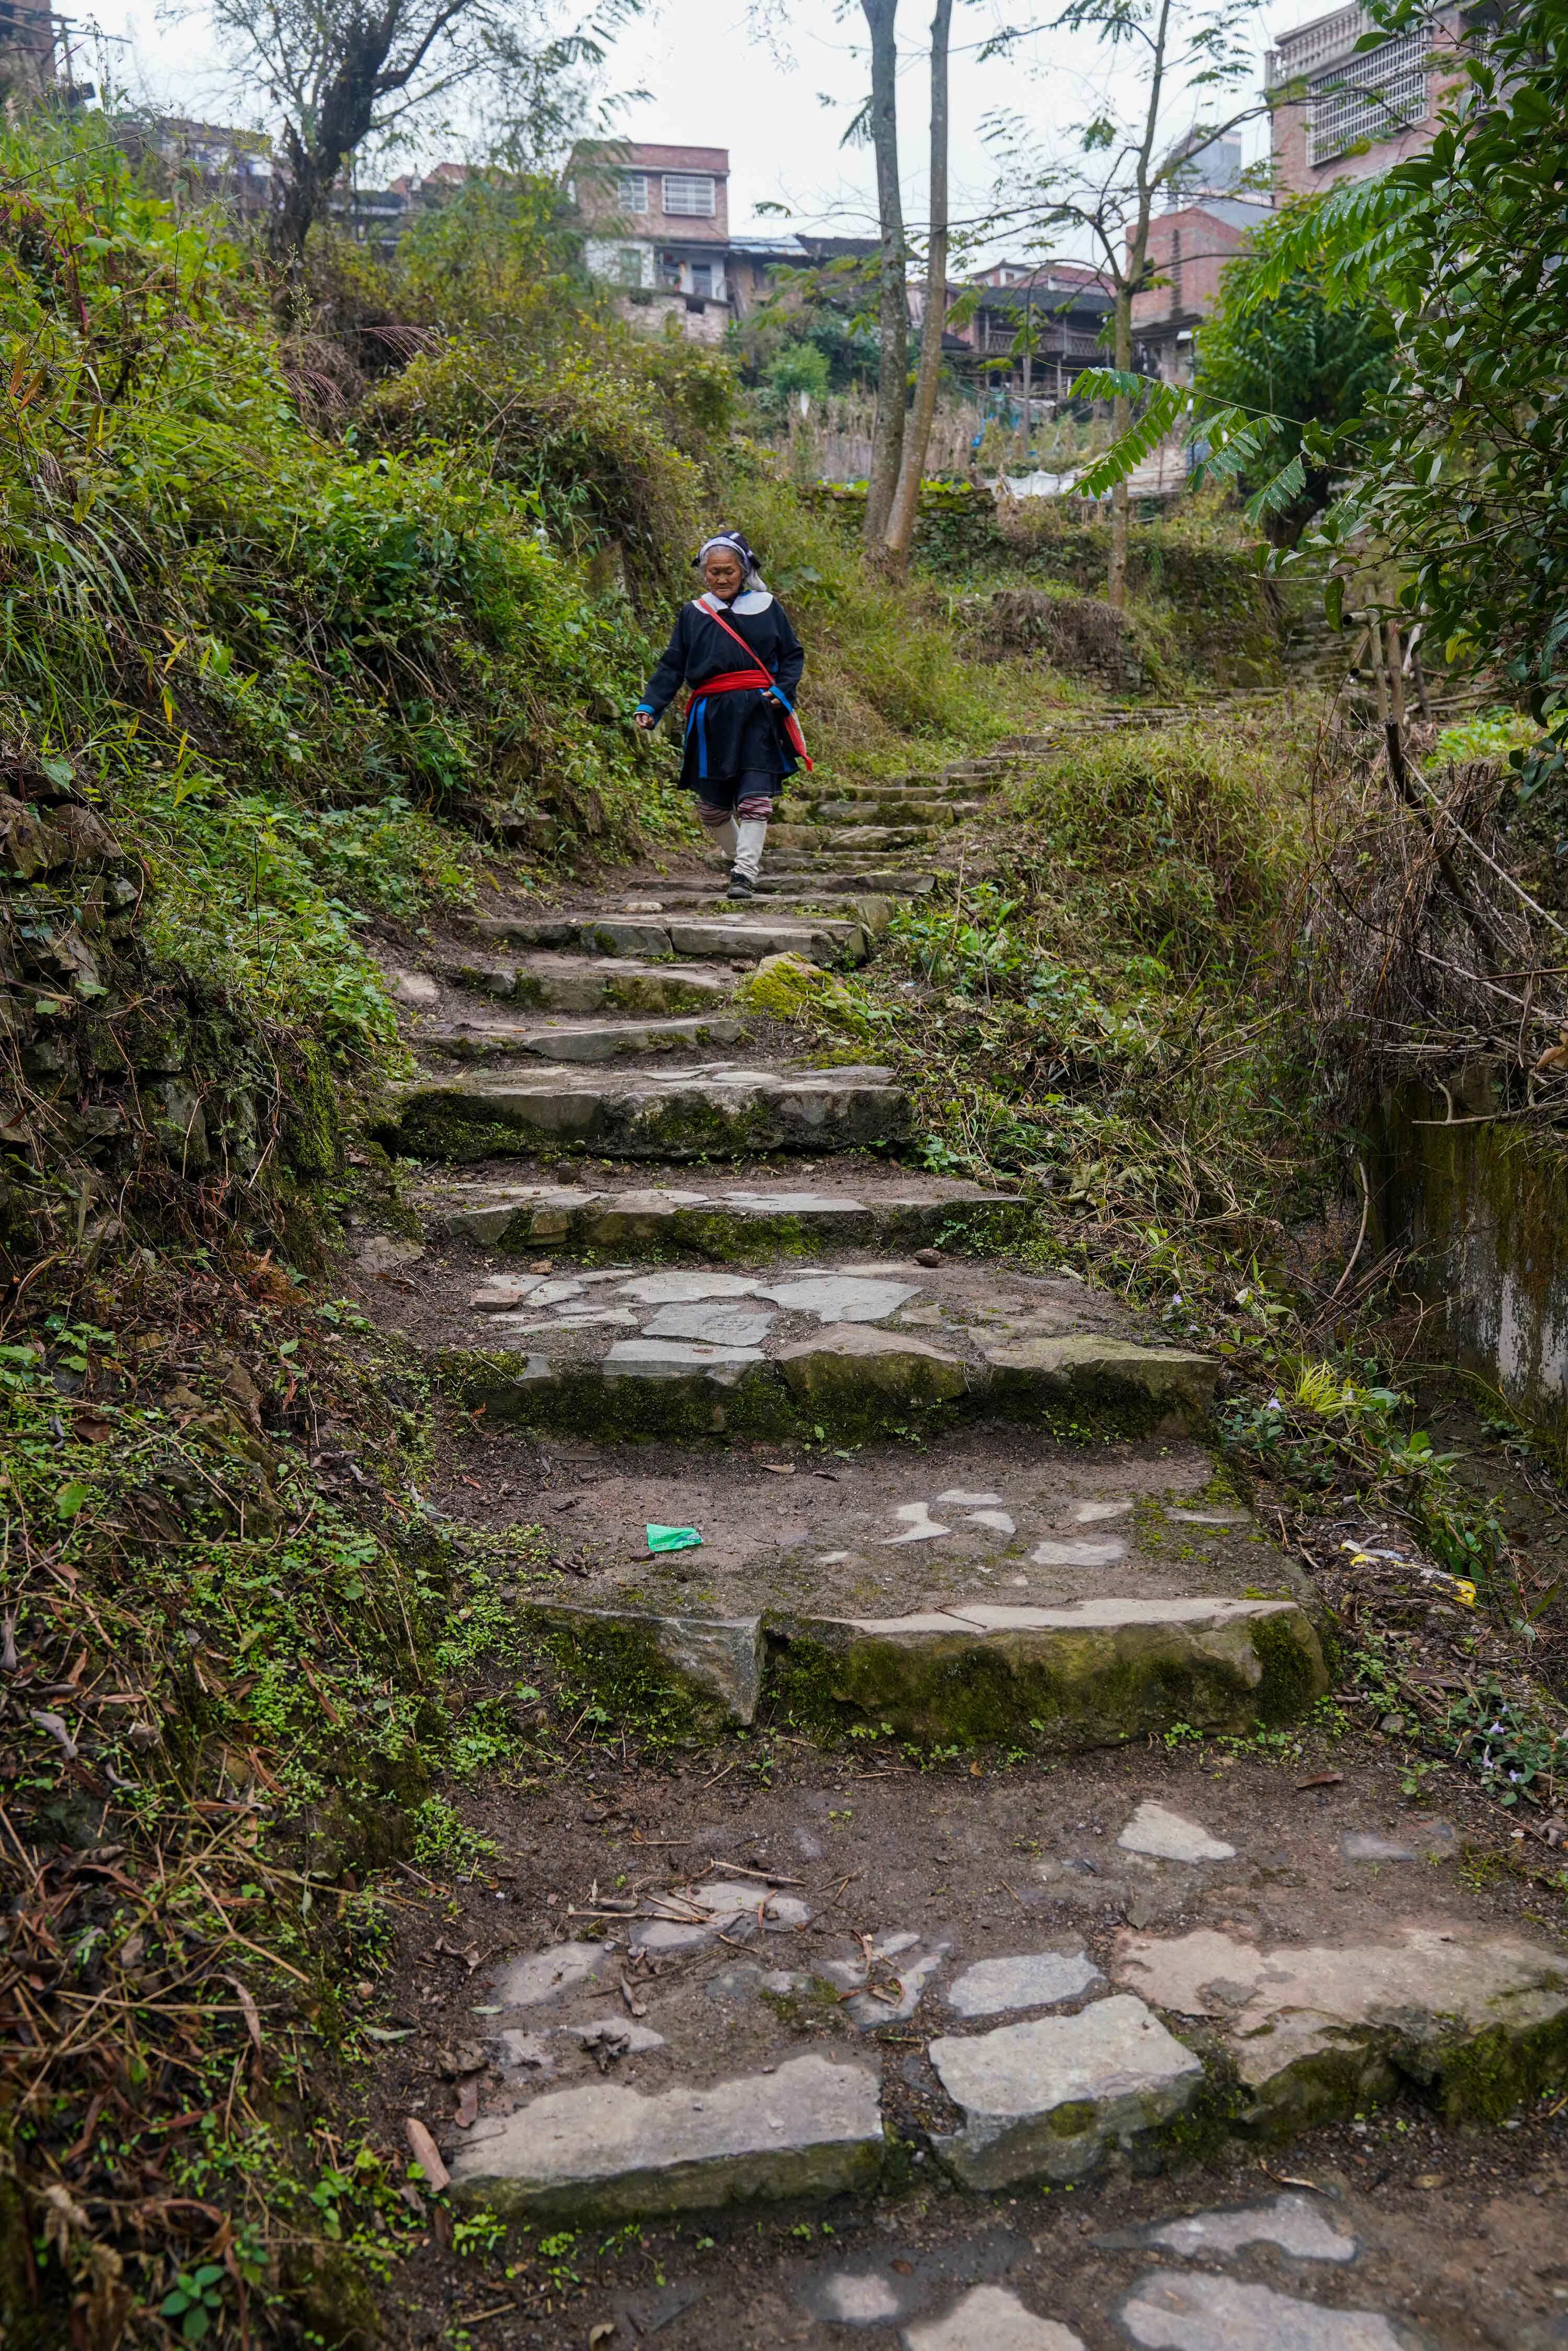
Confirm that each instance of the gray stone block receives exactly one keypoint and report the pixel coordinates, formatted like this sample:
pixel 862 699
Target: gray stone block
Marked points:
pixel 1176 2311
pixel 606 2152
pixel 1166 1836
pixel 1478 2018
pixel 1034 1979
pixel 1051 2099
pixel 990 2319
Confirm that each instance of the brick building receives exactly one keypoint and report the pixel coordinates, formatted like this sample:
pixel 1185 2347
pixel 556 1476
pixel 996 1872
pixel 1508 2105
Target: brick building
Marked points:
pixel 1189 248
pixel 657 224
pixel 1337 116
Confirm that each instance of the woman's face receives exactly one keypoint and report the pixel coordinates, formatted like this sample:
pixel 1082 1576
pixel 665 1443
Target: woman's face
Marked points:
pixel 723 572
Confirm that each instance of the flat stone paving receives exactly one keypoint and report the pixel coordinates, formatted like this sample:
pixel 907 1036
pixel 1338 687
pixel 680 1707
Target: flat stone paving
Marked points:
pixel 755 2071
pixel 857 1345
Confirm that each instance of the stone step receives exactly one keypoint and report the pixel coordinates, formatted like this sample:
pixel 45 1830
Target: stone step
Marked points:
pixel 772 1352
pixel 810 2127
pixel 783 2043
pixel 889 1212
pixel 1050 1681
pixel 568 983
pixel 859 812
pixel 972 794
pixel 657 937
pixel 824 840
pixel 856 869
pixel 719 1110
pixel 579 1040
pixel 836 885
pixel 847 893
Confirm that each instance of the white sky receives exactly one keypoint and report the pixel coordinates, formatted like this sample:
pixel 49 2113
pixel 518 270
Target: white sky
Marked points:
pixel 712 83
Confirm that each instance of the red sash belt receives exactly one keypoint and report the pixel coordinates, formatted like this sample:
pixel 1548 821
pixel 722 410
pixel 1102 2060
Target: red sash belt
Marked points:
pixel 732 681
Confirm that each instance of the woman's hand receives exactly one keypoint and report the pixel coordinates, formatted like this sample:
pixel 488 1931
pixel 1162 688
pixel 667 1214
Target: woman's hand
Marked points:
pixel 644 719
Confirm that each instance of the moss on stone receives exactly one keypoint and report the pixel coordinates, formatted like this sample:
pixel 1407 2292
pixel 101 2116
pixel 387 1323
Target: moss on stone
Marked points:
pixel 1077 1690
pixel 1214 2113
pixel 1485 2078
pixel 620 1668
pixel 1293 1675
pixel 782 987
pixel 311 1136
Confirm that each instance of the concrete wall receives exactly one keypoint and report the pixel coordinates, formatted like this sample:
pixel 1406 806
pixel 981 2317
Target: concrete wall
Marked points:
pixel 1486 1204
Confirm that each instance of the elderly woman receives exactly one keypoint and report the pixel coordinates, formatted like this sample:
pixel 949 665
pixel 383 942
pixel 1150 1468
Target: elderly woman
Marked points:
pixel 735 648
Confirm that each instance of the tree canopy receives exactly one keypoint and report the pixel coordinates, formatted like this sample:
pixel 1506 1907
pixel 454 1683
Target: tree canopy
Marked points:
pixel 1456 477
pixel 1292 353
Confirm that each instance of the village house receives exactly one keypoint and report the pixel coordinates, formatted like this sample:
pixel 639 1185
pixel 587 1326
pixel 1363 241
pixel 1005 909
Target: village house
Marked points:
pixel 32 51
pixel 1338 116
pixel 1057 310
pixel 657 224
pixel 1187 251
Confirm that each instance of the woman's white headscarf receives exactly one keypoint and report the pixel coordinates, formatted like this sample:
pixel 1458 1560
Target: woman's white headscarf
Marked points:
pixel 752 582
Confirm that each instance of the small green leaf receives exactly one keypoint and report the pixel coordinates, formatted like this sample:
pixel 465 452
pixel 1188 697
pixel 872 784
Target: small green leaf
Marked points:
pixel 69 1499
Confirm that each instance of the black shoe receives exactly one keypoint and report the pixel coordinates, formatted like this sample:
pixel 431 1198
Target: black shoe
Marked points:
pixel 741 885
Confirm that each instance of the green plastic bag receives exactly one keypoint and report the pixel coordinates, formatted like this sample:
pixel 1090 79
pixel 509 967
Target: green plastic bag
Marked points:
pixel 673 1538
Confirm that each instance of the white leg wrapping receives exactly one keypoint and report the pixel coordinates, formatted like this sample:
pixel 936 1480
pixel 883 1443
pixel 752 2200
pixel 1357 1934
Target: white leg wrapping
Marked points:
pixel 723 836
pixel 751 838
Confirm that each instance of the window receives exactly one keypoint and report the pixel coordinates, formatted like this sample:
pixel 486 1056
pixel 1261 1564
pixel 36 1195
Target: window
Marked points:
pixel 1370 99
pixel 628 264
pixel 632 192
pixel 690 193
pixel 702 277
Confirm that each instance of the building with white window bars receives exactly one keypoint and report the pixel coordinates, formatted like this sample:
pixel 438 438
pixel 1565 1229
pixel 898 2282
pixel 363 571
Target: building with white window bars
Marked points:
pixel 657 224
pixel 1338 115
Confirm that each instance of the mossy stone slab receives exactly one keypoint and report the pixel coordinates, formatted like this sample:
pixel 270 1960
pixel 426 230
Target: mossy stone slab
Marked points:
pixel 660 937
pixel 853 1383
pixel 582 1042
pixel 587 984
pixel 1054 1680
pixel 810 2128
pixel 1053 2098
pixel 854 1374
pixel 665 1222
pixel 1087 1376
pixel 718 1111
pixel 1475 2019
pixel 701 1672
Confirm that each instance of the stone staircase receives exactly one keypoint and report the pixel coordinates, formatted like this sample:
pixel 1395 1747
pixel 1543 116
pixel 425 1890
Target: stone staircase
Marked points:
pixel 950 1501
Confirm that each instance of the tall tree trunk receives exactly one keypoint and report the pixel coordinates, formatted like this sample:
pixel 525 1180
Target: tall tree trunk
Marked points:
pixel 1128 279
pixel 893 307
pixel 918 432
pixel 1121 418
pixel 1023 426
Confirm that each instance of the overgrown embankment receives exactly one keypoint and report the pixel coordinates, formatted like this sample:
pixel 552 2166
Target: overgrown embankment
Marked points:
pixel 1160 996
pixel 1026 577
